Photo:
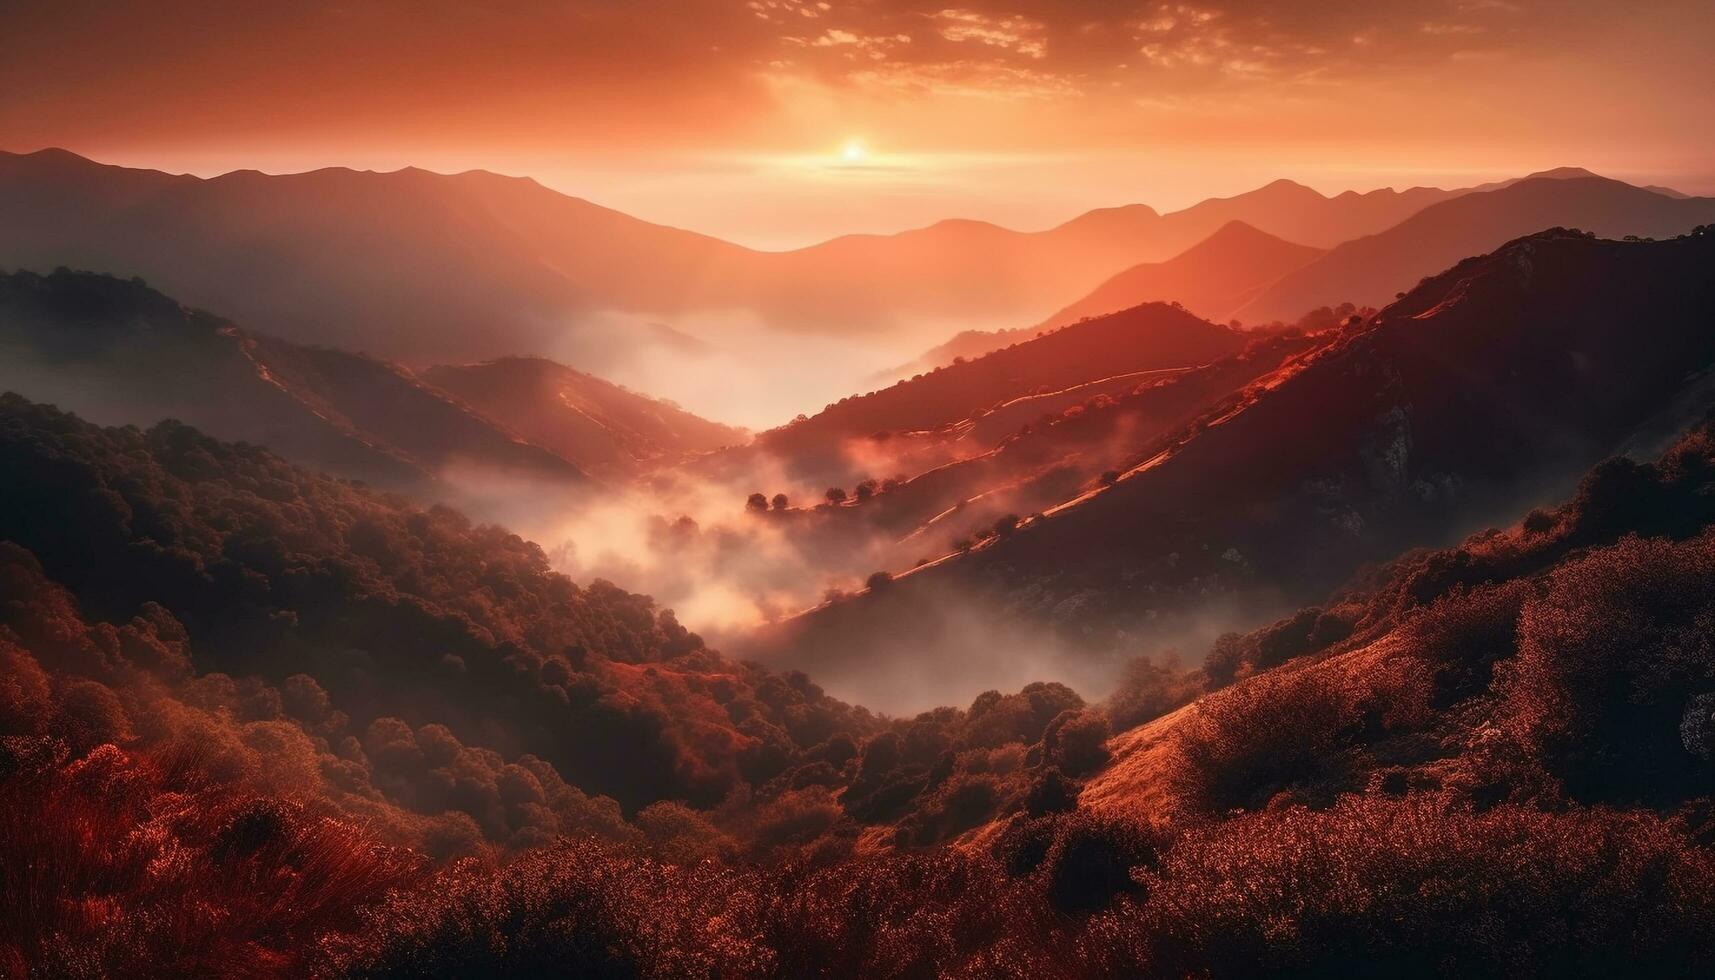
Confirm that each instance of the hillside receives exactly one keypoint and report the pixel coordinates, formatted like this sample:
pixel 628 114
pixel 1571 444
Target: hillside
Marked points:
pixel 121 353
pixel 1527 631
pixel 375 619
pixel 1371 270
pixel 1032 452
pixel 273 699
pixel 1496 382
pixel 1152 337
pixel 602 427
pixel 1506 744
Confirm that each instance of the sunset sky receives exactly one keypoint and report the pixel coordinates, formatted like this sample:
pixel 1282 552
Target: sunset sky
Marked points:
pixel 779 122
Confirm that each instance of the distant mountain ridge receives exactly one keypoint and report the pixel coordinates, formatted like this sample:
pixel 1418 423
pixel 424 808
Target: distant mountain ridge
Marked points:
pixel 424 267
pixel 1371 270
pixel 408 265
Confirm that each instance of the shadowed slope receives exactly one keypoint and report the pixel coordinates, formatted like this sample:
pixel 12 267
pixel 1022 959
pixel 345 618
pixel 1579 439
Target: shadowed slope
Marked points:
pixel 598 425
pixel 120 352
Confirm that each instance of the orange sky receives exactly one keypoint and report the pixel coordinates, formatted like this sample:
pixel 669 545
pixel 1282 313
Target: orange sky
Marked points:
pixel 730 117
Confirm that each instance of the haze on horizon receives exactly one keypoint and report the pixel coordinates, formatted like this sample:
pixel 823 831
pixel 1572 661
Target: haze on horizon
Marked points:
pixel 739 119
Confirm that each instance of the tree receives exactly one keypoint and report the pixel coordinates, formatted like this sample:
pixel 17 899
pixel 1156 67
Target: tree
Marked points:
pixel 866 490
pixel 1224 659
pixel 756 503
pixel 780 501
pixel 835 495
pixel 879 580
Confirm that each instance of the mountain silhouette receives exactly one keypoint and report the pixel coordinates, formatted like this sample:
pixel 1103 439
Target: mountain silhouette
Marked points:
pixel 1369 271
pixel 1211 279
pixel 424 267
pixel 408 265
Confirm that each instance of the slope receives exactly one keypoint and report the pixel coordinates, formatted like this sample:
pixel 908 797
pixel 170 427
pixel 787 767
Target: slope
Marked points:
pixel 600 426
pixel 1152 337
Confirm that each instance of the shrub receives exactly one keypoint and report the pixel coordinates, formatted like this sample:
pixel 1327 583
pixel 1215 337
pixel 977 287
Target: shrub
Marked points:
pixel 1385 887
pixel 1609 657
pixel 1092 859
pixel 1279 732
pixel 1464 634
pixel 570 909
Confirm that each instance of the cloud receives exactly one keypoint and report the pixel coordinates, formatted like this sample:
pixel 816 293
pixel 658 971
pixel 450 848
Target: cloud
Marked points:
pixel 601 68
pixel 1011 33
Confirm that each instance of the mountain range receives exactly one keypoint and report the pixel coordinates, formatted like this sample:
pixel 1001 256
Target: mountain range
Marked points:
pixel 422 267
pixel 1371 270
pixel 1243 272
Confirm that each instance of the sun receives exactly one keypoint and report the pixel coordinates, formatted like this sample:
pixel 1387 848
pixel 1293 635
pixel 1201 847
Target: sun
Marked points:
pixel 853 151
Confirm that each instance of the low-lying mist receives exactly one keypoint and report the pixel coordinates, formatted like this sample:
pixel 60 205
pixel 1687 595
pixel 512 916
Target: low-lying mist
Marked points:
pixel 943 642
pixel 738 575
pixel 694 544
pixel 734 367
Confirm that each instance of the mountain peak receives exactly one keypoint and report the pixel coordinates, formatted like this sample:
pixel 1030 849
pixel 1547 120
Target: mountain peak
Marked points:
pixel 1561 173
pixel 1237 230
pixel 54 153
pixel 53 158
